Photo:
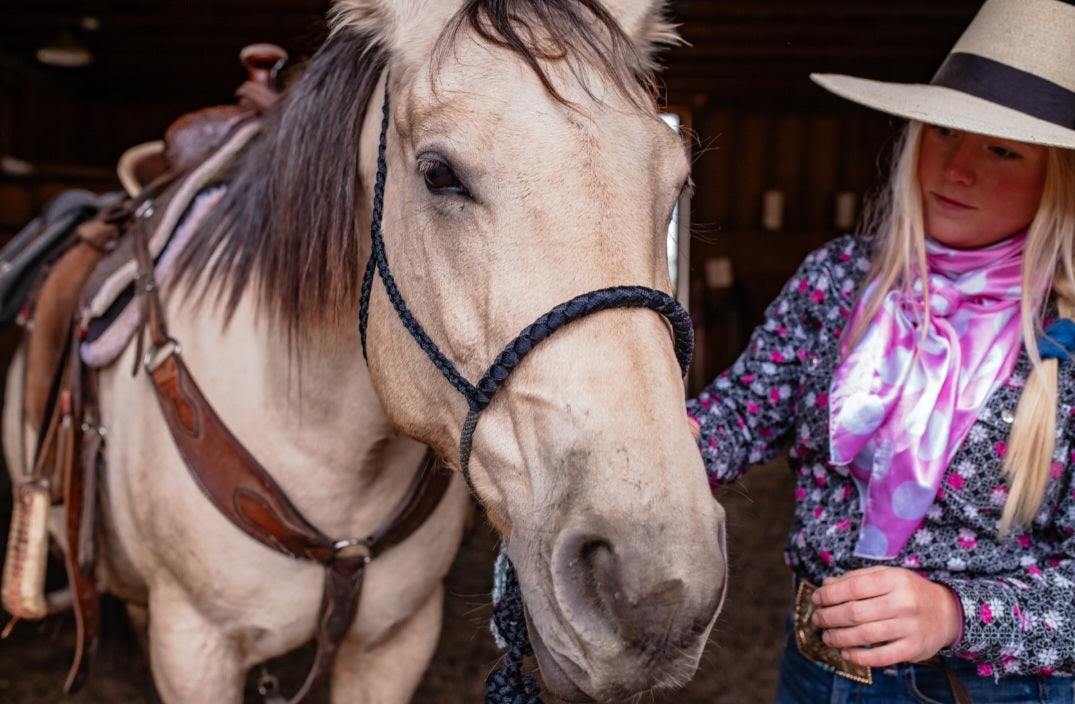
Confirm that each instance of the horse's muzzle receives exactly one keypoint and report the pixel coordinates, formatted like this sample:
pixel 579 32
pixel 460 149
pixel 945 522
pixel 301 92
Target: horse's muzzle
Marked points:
pixel 632 621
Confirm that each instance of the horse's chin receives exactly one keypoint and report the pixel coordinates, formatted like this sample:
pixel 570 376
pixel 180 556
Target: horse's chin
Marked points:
pixel 568 682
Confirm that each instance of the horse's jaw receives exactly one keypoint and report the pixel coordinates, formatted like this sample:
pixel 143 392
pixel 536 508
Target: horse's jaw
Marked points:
pixel 610 629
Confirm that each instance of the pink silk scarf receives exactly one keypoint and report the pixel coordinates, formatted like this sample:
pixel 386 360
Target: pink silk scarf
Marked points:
pixel 904 399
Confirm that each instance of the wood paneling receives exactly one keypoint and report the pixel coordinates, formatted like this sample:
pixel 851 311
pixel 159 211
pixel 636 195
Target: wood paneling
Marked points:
pixel 153 61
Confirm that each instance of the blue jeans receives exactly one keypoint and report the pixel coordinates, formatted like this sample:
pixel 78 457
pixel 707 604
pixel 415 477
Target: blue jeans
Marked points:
pixel 803 682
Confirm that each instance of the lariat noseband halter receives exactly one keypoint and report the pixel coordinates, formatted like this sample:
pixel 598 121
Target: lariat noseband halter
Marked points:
pixel 479 395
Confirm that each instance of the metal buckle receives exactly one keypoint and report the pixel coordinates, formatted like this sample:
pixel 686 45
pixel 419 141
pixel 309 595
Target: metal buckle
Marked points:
pixel 354 548
pixel 811 647
pixel 144 210
pixel 269 687
pixel 156 355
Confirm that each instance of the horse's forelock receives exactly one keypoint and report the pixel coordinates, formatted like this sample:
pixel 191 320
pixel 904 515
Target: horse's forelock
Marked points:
pixel 581 32
pixel 290 219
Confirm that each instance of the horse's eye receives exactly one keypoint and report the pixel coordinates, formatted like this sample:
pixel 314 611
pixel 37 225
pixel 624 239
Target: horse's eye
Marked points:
pixel 439 177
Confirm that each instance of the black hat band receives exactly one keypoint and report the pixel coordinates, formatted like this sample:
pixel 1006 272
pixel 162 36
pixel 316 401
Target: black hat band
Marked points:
pixel 1007 86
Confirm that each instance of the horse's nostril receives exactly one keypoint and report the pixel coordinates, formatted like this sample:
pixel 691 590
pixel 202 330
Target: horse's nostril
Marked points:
pixel 599 584
pixel 589 566
pixel 607 601
pixel 597 559
pixel 585 579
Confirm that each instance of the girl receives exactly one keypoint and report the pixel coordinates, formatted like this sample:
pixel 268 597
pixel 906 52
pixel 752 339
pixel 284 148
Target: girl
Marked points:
pixel 921 377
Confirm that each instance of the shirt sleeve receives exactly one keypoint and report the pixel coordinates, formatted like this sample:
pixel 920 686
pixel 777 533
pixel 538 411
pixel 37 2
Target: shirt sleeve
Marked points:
pixel 1023 622
pixel 747 413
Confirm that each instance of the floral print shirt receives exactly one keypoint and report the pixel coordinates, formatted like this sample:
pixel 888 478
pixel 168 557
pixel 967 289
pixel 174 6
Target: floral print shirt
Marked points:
pixel 1017 595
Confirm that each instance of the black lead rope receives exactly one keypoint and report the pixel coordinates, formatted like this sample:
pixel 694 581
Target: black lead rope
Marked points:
pixel 508 684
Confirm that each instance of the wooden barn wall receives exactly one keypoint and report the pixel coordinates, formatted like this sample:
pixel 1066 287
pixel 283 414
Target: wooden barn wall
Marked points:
pixel 153 61
pixel 741 84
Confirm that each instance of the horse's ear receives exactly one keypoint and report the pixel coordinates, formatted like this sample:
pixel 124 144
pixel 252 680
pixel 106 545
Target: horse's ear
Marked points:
pixel 397 25
pixel 645 23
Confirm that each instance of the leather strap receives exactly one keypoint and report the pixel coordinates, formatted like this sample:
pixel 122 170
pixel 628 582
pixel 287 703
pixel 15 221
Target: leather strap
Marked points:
pixel 79 493
pixel 46 467
pixel 227 473
pixel 56 304
pixel 959 690
pixel 245 492
pixel 65 458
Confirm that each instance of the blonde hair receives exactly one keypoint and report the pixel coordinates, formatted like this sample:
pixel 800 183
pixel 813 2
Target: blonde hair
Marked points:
pixel 897 216
pixel 1049 249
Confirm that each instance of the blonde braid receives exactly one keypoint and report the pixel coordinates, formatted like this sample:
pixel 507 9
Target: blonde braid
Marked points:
pixel 1028 459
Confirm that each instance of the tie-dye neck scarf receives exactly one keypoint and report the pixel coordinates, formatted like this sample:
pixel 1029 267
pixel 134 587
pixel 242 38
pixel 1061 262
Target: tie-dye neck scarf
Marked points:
pixel 905 398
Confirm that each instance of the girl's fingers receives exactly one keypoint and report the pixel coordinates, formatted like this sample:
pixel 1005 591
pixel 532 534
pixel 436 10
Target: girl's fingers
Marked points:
pixel 869 634
pixel 853 613
pixel 880 655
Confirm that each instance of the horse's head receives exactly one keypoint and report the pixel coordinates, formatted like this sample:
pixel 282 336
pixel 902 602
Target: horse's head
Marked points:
pixel 526 165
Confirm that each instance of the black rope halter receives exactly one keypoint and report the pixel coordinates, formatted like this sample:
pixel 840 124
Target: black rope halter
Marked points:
pixel 479 395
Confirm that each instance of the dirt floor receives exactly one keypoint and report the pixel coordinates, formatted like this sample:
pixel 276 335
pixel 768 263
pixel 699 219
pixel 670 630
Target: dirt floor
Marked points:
pixel 738 666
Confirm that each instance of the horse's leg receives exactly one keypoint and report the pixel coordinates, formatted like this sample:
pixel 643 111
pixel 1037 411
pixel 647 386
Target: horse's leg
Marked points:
pixel 390 671
pixel 139 618
pixel 192 660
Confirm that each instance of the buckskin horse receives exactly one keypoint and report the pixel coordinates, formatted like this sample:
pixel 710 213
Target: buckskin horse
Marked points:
pixel 509 160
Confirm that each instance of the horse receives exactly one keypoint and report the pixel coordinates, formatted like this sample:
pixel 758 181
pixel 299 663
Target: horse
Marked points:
pixel 523 165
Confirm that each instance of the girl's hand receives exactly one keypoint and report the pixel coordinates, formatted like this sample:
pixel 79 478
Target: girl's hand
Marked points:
pixel 696 428
pixel 901 616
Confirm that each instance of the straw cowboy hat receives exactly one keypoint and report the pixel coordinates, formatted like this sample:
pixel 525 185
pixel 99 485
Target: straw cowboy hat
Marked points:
pixel 1011 75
